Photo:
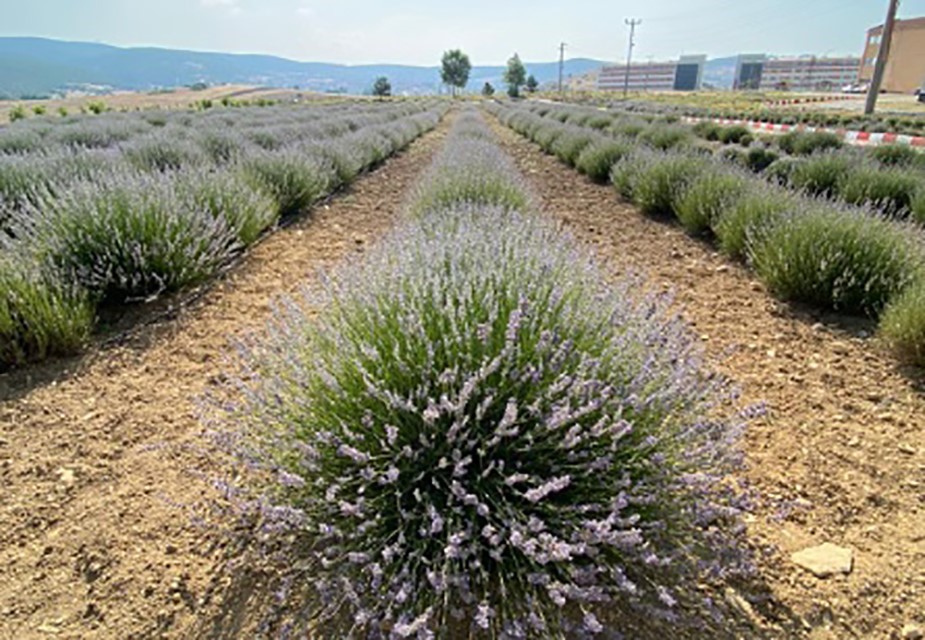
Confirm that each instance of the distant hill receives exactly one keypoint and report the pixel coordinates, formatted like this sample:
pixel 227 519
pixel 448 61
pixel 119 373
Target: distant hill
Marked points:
pixel 37 66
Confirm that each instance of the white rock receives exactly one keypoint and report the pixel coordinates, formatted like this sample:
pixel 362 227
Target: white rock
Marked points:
pixel 825 560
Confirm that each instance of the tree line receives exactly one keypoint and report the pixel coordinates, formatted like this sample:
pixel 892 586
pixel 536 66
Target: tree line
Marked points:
pixel 455 68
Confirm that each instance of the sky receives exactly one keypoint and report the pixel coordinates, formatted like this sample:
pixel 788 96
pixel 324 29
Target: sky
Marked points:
pixel 418 31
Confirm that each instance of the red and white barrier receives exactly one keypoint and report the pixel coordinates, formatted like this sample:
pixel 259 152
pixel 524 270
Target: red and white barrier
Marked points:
pixel 852 137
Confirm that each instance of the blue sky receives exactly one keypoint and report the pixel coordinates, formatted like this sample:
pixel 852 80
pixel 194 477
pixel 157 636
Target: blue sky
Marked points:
pixel 418 31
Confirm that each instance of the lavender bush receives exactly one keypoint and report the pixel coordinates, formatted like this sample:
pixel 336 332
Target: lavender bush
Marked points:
pixel 837 257
pixel 903 325
pixel 39 315
pixel 227 195
pixel 709 196
pixel 292 177
pixel 128 236
pixel 597 159
pixel 475 436
pixel 474 171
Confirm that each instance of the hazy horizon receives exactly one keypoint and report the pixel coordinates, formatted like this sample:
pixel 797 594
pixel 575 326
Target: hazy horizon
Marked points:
pixel 360 32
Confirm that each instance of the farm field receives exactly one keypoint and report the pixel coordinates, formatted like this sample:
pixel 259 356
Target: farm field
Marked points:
pixel 175 99
pixel 425 391
pixel 841 413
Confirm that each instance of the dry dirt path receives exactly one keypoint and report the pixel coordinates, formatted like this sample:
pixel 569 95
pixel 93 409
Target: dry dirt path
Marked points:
pixel 841 456
pixel 95 467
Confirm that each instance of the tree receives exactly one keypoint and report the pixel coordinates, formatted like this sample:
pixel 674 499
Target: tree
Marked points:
pixel 532 85
pixel 382 87
pixel 488 90
pixel 515 76
pixel 456 68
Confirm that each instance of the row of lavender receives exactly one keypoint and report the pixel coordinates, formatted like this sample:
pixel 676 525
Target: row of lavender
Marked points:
pixel 468 434
pixel 807 249
pixel 889 178
pixel 109 225
pixel 880 122
pixel 48 156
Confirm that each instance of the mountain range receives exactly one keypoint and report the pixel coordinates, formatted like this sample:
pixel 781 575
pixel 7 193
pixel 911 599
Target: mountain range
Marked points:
pixel 39 66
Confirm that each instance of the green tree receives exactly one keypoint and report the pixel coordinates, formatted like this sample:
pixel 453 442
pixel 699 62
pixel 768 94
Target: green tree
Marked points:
pixel 515 76
pixel 488 90
pixel 382 87
pixel 532 85
pixel 455 69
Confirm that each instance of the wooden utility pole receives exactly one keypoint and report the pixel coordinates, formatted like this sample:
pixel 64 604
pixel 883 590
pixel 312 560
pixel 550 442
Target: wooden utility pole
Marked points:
pixel 629 56
pixel 886 38
pixel 561 64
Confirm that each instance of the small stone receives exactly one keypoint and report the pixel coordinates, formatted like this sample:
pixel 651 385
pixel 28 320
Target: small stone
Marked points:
pixel 825 560
pixel 67 477
pixel 912 632
pixel 854 442
pixel 171 549
pixel 907 449
pixel 723 268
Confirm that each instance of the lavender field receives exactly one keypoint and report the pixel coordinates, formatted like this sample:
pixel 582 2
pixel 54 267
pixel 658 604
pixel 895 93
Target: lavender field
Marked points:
pixel 418 378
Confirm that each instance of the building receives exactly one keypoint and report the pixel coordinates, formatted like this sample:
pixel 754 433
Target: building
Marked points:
pixel 905 67
pixel 685 74
pixel 749 67
pixel 809 73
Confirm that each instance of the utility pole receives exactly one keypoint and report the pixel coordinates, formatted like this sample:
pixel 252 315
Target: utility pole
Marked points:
pixel 629 56
pixel 885 40
pixel 561 63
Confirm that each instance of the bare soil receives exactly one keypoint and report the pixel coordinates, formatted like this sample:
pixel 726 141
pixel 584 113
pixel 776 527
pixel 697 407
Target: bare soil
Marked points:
pixel 102 456
pixel 840 457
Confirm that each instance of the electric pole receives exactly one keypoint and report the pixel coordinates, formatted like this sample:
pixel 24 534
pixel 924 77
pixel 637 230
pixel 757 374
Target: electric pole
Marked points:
pixel 886 38
pixel 561 63
pixel 629 56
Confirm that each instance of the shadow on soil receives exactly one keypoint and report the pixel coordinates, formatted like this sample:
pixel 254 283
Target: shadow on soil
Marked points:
pixel 244 604
pixel 136 326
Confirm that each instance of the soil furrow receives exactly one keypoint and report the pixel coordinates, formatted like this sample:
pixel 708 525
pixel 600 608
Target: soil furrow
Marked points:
pixel 96 465
pixel 838 459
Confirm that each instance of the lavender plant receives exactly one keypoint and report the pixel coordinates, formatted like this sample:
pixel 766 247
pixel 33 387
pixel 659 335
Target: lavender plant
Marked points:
pixel 837 257
pixel 597 158
pixel 474 171
pixel 709 196
pixel 163 150
pixel 39 315
pixel 903 325
pixel 127 236
pixel 658 184
pixel 226 195
pixel 293 178
pixel 823 174
pixel 475 436
pixel 570 143
pixel 762 207
pixel 891 191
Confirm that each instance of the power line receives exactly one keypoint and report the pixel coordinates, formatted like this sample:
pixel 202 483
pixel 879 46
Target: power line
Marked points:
pixel 631 23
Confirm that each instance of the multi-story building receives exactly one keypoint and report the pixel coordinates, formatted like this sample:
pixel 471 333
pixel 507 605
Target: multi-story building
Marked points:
pixel 905 66
pixel 749 68
pixel 809 73
pixel 685 74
